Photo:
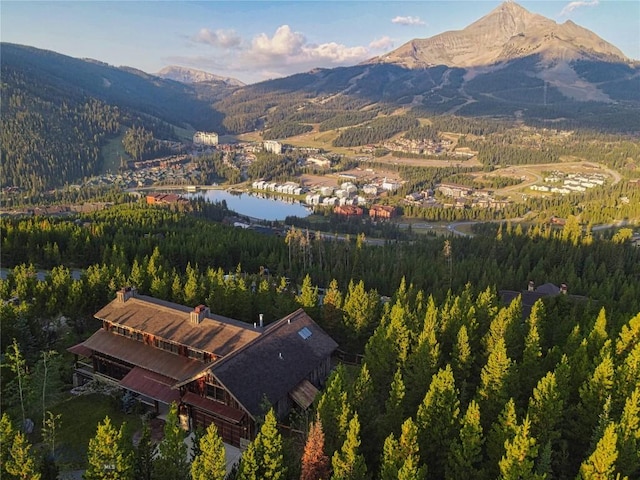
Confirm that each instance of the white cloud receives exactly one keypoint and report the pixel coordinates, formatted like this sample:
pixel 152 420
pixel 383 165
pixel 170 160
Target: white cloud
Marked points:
pixel 382 43
pixel 570 7
pixel 289 48
pixel 407 20
pixel 219 38
pixel 284 42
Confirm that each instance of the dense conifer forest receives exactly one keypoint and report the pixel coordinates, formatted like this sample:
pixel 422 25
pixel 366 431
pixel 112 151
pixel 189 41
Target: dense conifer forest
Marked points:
pixel 452 382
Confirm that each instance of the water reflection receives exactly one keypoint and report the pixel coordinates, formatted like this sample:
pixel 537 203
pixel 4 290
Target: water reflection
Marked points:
pixel 258 205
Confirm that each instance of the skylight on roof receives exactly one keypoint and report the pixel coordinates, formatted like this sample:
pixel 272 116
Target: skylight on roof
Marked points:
pixel 304 332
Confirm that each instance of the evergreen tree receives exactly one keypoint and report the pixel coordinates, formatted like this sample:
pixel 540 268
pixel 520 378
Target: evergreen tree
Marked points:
pixel 423 360
pixel 546 407
pixel 177 290
pixel 437 420
pixel 249 467
pixel 263 459
pixel 21 463
pixel 210 464
pixel 348 463
pixel 334 410
pixel 398 331
pixel 359 311
pixel 530 368
pixel 503 430
pixel 505 326
pixel 381 360
pixel 308 298
pixel 601 463
pixel 143 455
pixel 192 286
pixel 411 471
pixel 465 454
pixel 520 455
pixel 593 395
pixel 365 402
pixel 332 308
pixel 394 407
pixel 495 379
pixel 598 334
pixel 271 448
pixel 402 455
pixel 7 434
pixel 462 361
pixel 362 394
pixel 391 461
pixel 629 437
pixel 172 462
pixel 627 374
pixel 108 458
pixel 629 336
pixel 315 463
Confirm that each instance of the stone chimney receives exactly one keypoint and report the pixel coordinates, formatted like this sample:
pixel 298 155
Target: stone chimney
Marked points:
pixel 532 286
pixel 125 294
pixel 198 314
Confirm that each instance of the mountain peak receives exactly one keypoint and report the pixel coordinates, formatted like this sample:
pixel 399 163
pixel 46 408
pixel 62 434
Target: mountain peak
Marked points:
pixel 191 75
pixel 508 32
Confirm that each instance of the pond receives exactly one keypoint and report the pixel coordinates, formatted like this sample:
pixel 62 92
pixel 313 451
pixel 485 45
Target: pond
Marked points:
pixel 258 206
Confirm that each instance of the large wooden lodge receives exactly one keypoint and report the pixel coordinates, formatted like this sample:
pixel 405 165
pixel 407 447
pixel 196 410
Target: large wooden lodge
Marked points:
pixel 218 370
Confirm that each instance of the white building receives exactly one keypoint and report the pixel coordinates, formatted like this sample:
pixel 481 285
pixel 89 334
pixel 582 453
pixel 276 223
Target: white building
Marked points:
pixel 330 201
pixel 272 146
pixel 319 161
pixel 390 185
pixel 370 189
pixel 205 138
pixel 312 199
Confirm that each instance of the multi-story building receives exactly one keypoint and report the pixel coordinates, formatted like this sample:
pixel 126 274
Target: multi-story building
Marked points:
pixel 218 370
pixel 272 146
pixel 382 211
pixel 453 190
pixel 348 210
pixel 205 138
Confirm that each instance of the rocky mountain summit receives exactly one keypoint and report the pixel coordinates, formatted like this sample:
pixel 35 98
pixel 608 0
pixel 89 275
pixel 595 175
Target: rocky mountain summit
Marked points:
pixel 190 75
pixel 507 33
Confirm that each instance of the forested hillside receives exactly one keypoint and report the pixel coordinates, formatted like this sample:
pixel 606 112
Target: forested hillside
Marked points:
pixel 58 112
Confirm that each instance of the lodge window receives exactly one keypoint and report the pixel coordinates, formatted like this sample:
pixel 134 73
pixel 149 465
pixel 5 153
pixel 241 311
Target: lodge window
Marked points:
pixel 215 392
pixel 196 354
pixel 168 346
pixel 110 368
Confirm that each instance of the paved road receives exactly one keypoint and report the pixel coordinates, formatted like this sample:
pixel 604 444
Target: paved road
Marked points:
pixel 453 228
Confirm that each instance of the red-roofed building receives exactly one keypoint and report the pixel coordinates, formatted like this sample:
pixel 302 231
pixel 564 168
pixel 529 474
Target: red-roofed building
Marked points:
pixel 165 199
pixel 348 210
pixel 382 211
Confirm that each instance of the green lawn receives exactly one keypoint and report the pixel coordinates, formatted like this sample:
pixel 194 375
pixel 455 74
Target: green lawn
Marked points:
pixel 80 417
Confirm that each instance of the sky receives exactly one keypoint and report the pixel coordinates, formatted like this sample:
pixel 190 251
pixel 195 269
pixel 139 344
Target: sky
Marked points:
pixel 257 40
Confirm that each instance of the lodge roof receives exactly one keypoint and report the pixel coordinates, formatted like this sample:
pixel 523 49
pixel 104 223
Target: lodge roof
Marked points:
pixel 138 354
pixel 214 334
pixel 276 362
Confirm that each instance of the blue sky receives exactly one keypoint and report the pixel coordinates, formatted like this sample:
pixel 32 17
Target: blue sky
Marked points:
pixel 257 40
